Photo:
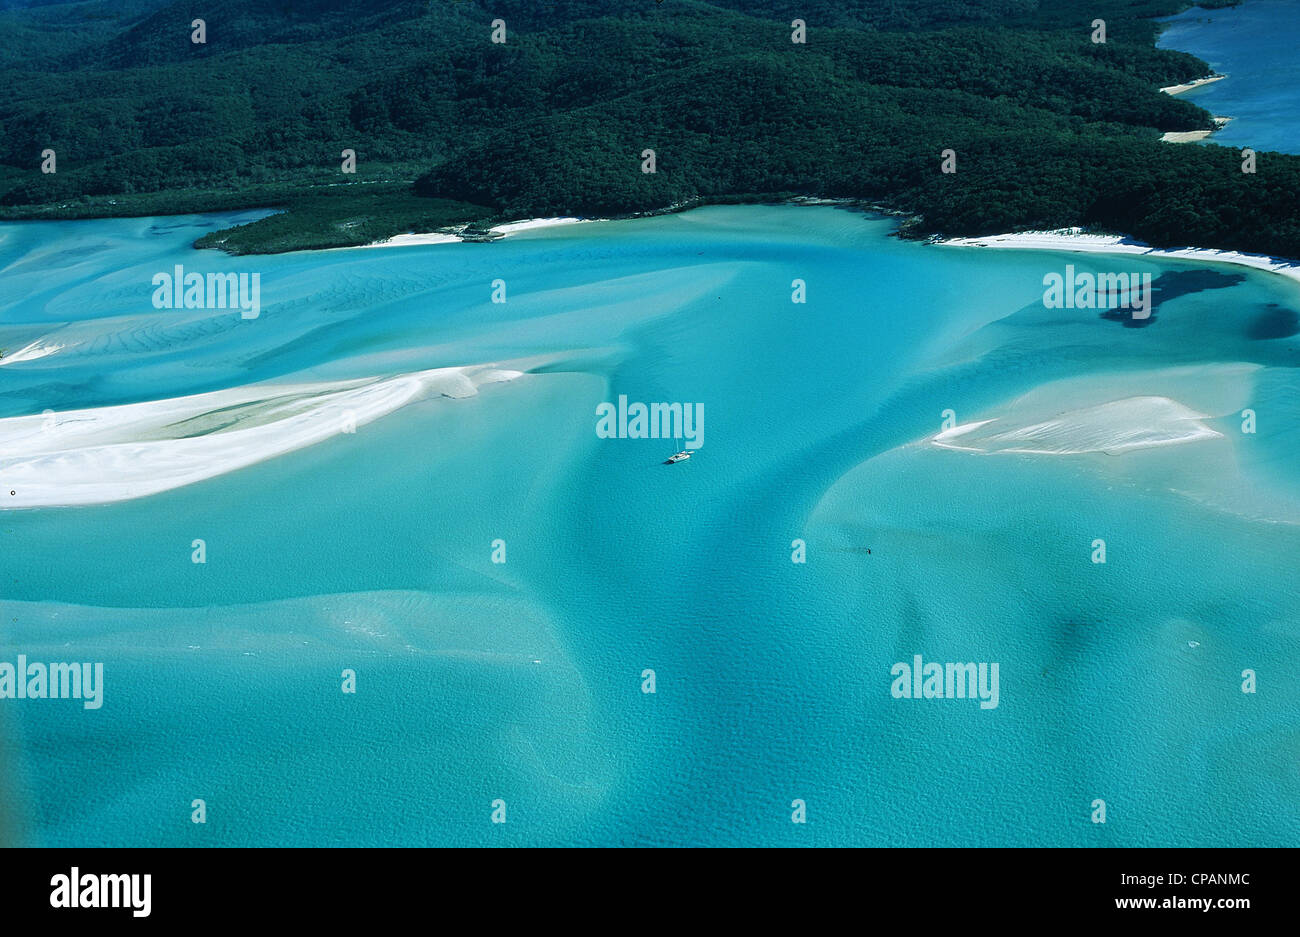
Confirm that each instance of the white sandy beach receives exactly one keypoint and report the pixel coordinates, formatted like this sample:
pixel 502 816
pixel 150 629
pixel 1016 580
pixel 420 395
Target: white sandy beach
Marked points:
pixel 1191 136
pixel 108 454
pixel 1179 89
pixel 514 227
pixel 1071 239
pixel 504 230
pixel 1184 136
pixel 407 240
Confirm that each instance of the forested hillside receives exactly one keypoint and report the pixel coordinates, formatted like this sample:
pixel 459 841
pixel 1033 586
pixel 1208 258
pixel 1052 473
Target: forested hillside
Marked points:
pixel 448 127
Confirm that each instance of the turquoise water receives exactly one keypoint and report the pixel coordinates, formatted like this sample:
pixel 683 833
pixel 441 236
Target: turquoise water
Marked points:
pixel 1254 44
pixel 522 681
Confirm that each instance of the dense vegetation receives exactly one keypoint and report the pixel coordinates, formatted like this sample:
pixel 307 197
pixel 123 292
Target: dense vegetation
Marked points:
pixel 1050 129
pixel 334 216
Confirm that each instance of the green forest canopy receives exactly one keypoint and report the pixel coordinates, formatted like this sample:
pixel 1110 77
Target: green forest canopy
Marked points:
pixel 1050 128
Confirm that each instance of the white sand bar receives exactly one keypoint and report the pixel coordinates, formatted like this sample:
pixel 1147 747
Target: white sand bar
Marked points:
pixel 107 454
pixel 1117 426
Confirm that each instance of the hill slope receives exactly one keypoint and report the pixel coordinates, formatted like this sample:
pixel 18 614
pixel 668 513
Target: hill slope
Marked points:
pixel 448 127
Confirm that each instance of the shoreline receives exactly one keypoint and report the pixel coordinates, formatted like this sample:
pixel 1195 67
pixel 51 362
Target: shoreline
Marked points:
pixel 1071 239
pixel 401 240
pixel 1195 83
pixel 508 228
pixel 530 224
pixel 495 233
pixel 1194 136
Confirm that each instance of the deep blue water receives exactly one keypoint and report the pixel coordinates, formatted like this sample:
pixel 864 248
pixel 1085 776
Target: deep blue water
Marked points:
pixel 1255 45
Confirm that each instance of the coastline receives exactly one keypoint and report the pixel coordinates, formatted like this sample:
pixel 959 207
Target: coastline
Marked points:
pixel 1071 239
pixel 1067 239
pixel 506 229
pixel 1195 83
pixel 494 233
pixel 1192 136
pixel 403 240
pixel 529 224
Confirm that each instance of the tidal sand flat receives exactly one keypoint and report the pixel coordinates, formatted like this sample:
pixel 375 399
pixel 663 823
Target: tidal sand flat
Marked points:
pixel 1132 423
pixel 106 454
pixel 501 582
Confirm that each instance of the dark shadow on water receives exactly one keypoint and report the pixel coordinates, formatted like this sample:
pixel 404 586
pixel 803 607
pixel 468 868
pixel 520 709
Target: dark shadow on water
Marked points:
pixel 1274 322
pixel 1166 287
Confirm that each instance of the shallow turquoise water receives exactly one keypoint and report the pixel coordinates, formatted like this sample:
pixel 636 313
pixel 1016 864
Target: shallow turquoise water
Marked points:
pixel 522 681
pixel 1254 44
